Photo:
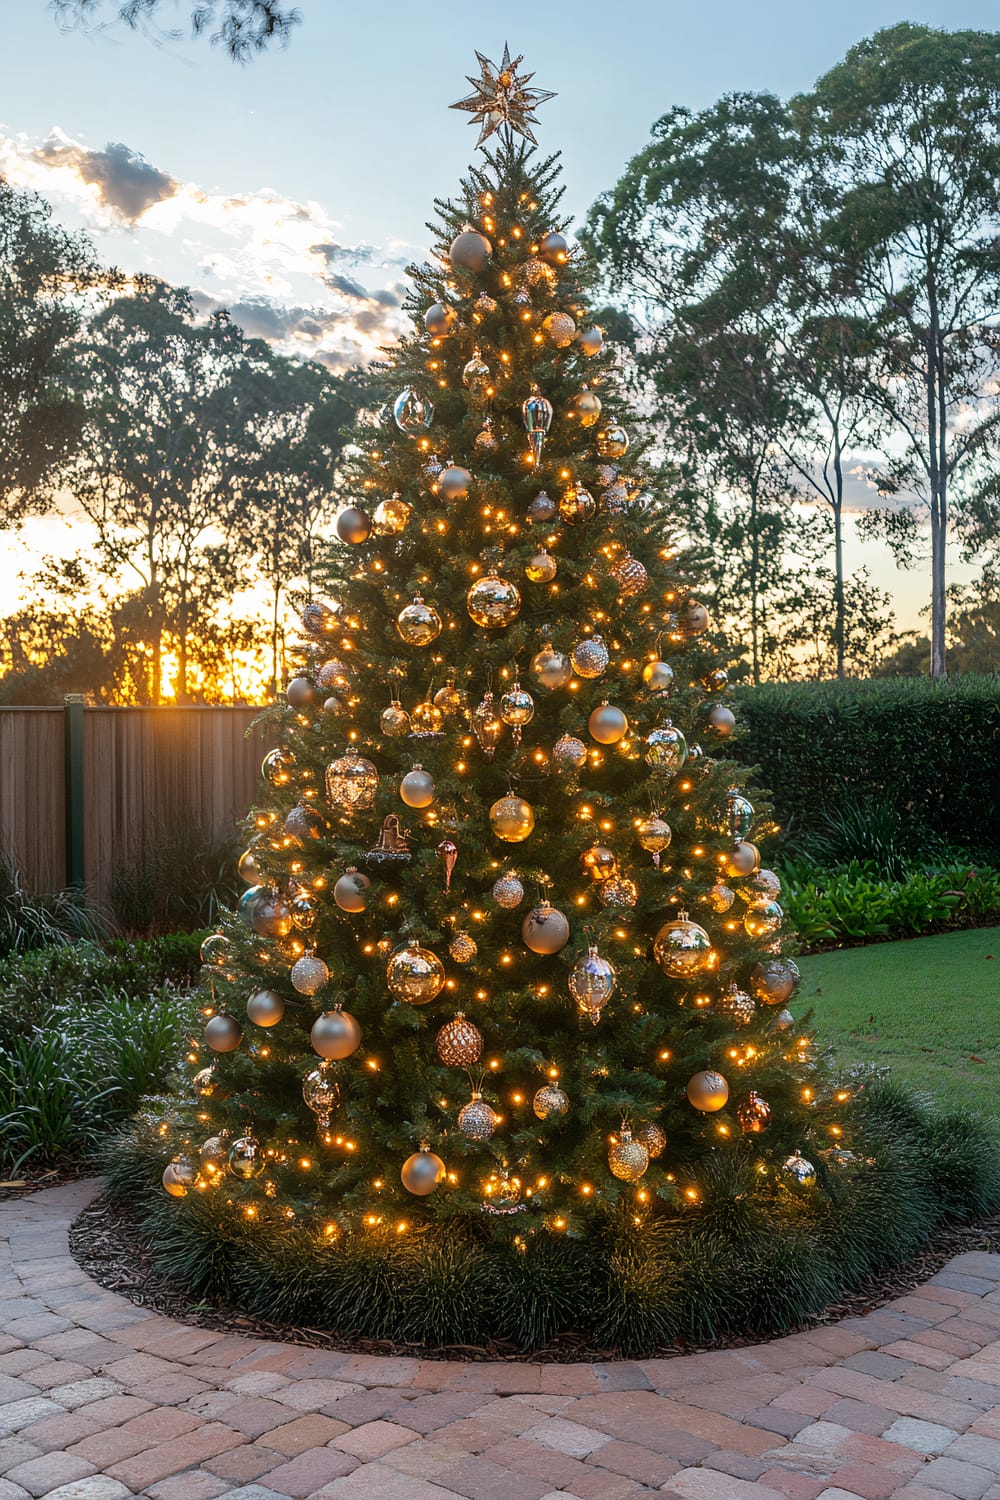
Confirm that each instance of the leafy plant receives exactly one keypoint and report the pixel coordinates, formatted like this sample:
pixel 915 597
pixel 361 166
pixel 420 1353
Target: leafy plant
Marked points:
pixel 180 880
pixel 853 905
pixel 29 920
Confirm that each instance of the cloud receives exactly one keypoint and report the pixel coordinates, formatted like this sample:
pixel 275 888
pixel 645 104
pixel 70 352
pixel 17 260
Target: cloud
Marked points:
pixel 127 185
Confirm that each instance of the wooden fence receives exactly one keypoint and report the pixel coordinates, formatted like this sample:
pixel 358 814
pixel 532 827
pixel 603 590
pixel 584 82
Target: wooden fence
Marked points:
pixel 83 790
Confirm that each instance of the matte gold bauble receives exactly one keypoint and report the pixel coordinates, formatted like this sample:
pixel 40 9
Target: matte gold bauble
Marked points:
pixel 682 948
pixel 453 482
pixel 300 692
pixel 590 341
pixel 512 819
pixel 508 891
pixel 720 719
pixel 493 602
pixel 390 516
pixel 394 720
pixel 470 251
pixel 247 1159
pixel 422 1172
pixel 618 890
pixel 708 1091
pixel 754 1114
pixel 775 980
pixel 612 442
pixel 654 835
pixel 415 974
pixel 440 320
pixel 541 568
pixel 309 974
pixel 545 930
pixel 590 657
pixel 459 1043
pixel 627 1158
pixel 653 1137
pixel 743 859
pixel 463 948
pixel 599 862
pixel 417 788
pixel 569 751
pixel 351 783
pixel 351 891
pixel 477 1120
pixel 761 921
pixel 265 1008
pixel 577 505
pixel 658 676
pixel 584 407
pixel 559 329
pixel 223 1033
pixel 354 525
pixel 607 724
pixel 551 668
pixel 550 1102
pixel 419 623
pixel 335 1035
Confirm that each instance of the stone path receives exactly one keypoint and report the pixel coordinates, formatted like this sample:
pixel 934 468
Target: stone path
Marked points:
pixel 101 1400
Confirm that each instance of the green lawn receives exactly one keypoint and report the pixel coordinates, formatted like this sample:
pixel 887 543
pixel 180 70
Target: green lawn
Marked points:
pixel 929 1008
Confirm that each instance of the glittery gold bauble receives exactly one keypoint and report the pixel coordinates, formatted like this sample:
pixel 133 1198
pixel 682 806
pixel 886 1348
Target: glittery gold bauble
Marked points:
pixel 351 783
pixel 619 890
pixel 463 948
pixel 451 699
pixel 459 1043
pixel 737 1005
pixel 223 1033
pixel 512 819
pixel 422 1172
pixel 612 442
pixel 551 668
pixel 590 341
pixel 607 724
pixel 394 720
pixel 453 482
pixel 654 835
pixel 493 602
pixel 719 898
pixel 708 1091
pixel 599 862
pixel 614 499
pixel 415 974
pixel 335 1035
pixel 682 948
pixel 246 1158
pixel 541 568
pixel 760 921
pixel 214 1155
pixel 592 981
pixel 476 1120
pixel 351 891
pixel 334 673
pixel 508 891
pixel 629 574
pixel 627 1158
pixel 265 1008
pixel 486 438
pixel 309 974
pixel 389 517
pixel 559 329
pixel 798 1172
pixel 550 1101
pixel 590 657
pixel 440 320
pixel 658 676
pixel 775 980
pixel 743 859
pixel 666 748
pixel 584 407
pixel 653 1137
pixel 754 1114
pixel 569 751
pixel 484 307
pixel 417 788
pixel 577 505
pixel 545 930
pixel 419 623
pixel 763 885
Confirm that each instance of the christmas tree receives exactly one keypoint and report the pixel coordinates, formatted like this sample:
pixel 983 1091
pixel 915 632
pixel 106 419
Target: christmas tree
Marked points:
pixel 508 975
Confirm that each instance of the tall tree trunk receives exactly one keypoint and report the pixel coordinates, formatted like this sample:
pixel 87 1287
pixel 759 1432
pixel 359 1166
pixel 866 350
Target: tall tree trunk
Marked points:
pixel 937 470
pixel 274 640
pixel 754 585
pixel 839 608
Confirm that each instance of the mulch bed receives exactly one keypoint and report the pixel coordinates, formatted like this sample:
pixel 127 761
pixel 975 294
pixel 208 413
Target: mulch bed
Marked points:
pixel 106 1242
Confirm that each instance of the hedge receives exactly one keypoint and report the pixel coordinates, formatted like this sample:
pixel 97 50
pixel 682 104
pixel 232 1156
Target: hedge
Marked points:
pixel 932 749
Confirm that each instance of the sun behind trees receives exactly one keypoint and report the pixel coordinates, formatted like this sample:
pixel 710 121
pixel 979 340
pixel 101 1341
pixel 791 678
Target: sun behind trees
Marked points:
pixel 508 976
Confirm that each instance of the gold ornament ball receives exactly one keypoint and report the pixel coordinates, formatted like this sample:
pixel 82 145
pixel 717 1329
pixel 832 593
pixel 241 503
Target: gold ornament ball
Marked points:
pixel 737 1005
pixel 798 1172
pixel 569 751
pixel 215 950
pixel 721 719
pixel 760 921
pixel 542 509
pixel 708 1091
pixel 300 692
pixel 459 1043
pixel 545 930
pixel 550 1101
pixel 590 341
pixel 303 912
pixel 653 1137
pixel 592 981
pixel 658 676
pixel 630 575
pixel 451 699
pixel 422 1172
pixel 493 602
pixel 763 885
pixel 272 917
pixel 389 517
pixel 541 568
pixel 351 783
pixel 719 897
pixel 775 980
pixel 223 1033
pixel 551 668
pixel 612 442
pixel 577 505
pixel 354 525
pixel 309 974
pixel 743 859
pixel 247 1159
pixel 619 890
pixel 417 788
pixel 214 1155
pixel 502 1191
pixel 694 618
pixel 754 1114
pixel 333 674
pixel 666 748
pixel 682 948
pixel 248 869
pixel 554 248
pixel 172 1184
pixel 653 834
pixel 517 707
pixel 559 329
pixel 476 1120
pixel 607 724
pixel 508 891
pixel 265 1008
pixel 470 251
pixel 512 819
pixel 415 974
pixel 440 320
pixel 453 482
pixel 628 1158
pixel 419 623
pixel 426 719
pixel 463 948
pixel 599 862
pixel 584 407
pixel 351 891
pixel 335 1035
pixel 590 657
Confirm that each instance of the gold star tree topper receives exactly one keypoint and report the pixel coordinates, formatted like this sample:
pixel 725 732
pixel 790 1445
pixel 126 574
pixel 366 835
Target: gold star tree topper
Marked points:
pixel 501 96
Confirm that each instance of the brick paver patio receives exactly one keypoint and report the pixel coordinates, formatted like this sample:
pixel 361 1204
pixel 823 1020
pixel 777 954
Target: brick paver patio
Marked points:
pixel 100 1399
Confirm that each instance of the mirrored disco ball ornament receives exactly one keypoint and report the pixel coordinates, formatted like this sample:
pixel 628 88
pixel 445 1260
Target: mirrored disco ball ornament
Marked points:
pixel 415 974
pixel 246 1158
pixel 459 1043
pixel 309 974
pixel 627 1157
pixel 493 602
pixel 550 1102
pixel 508 891
pixel 590 657
pixel 476 1120
pixel 418 623
pixel 682 948
pixel 422 1172
pixel 569 752
pixel 413 413
pixel 351 783
pixel 653 1137
pixel 321 1093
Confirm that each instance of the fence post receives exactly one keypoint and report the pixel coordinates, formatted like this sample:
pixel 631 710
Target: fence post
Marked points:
pixel 73 761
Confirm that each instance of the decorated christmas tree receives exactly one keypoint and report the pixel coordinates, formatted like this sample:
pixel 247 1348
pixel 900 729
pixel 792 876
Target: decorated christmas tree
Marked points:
pixel 508 987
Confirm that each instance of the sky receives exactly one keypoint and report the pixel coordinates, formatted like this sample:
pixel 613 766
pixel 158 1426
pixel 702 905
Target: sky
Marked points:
pixel 295 189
